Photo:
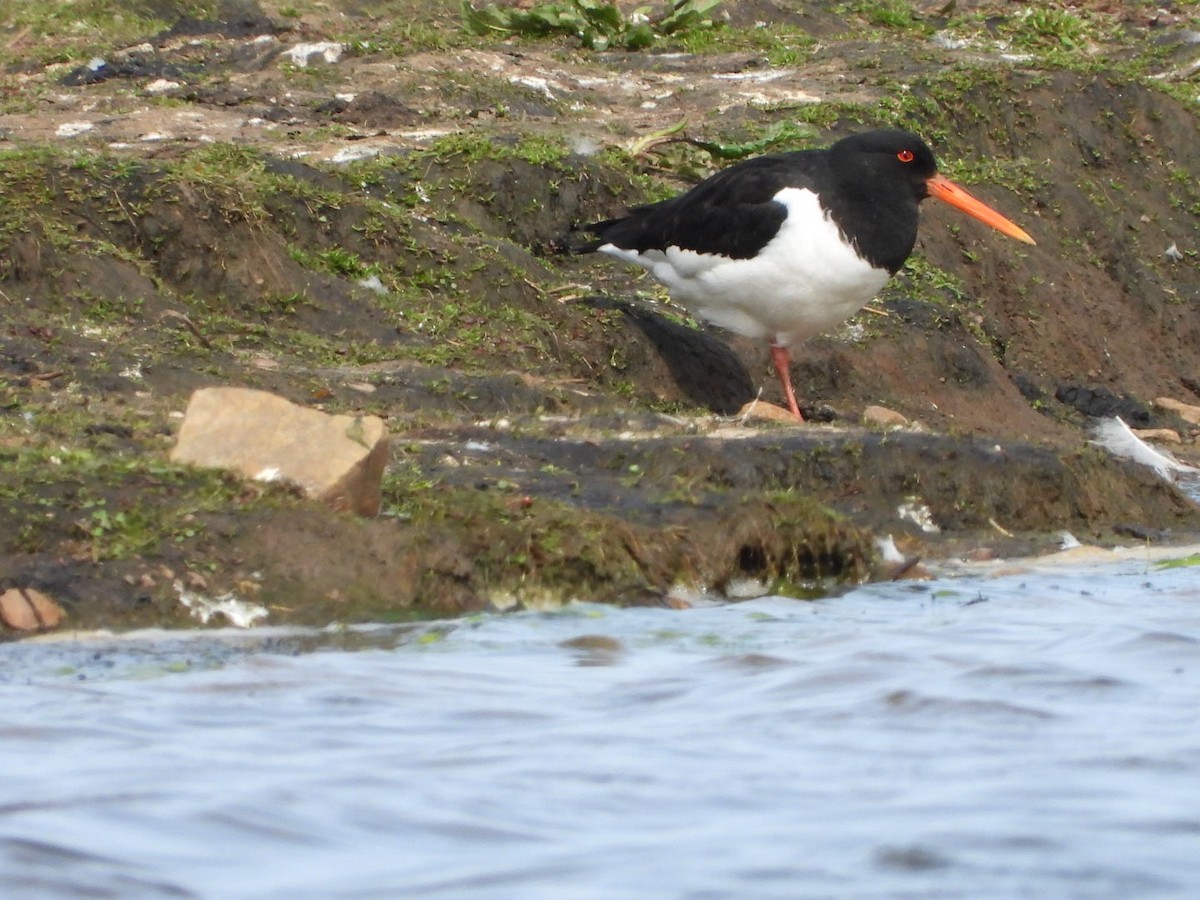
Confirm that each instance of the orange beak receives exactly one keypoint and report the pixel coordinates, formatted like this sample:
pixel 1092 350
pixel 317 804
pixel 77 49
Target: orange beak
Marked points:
pixel 946 190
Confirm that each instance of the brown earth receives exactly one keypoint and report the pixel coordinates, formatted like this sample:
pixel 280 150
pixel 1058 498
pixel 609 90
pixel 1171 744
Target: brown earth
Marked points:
pixel 558 427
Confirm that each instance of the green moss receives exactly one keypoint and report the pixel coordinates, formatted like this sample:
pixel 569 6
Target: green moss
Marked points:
pixel 108 505
pixel 334 260
pixel 1048 27
pixel 468 146
pixel 71 32
pixel 29 192
pixel 890 15
pixel 1181 562
pixel 525 545
pixel 597 24
pixel 781 45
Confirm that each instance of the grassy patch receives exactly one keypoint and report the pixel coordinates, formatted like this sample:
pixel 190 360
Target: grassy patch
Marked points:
pixel 106 505
pixel 892 15
pixel 54 32
pixel 533 149
pixel 1182 562
pixel 597 24
pixel 781 45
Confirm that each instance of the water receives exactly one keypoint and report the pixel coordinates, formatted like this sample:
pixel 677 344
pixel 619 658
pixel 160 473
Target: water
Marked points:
pixel 1028 735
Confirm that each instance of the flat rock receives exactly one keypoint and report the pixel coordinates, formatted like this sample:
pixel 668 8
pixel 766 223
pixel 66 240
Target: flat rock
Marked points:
pixel 763 411
pixel 883 417
pixel 336 459
pixel 27 609
pixel 1161 435
pixel 1185 411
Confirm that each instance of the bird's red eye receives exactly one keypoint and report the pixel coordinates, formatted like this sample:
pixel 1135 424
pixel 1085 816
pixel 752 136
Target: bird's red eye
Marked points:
pixel 905 156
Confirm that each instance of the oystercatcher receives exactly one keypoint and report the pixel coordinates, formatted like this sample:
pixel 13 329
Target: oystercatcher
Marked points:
pixel 786 246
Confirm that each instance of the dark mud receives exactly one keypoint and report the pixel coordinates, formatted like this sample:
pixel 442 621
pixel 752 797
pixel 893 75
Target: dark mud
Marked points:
pixel 557 427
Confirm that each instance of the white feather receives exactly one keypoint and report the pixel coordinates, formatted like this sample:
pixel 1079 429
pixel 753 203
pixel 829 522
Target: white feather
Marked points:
pixel 1118 439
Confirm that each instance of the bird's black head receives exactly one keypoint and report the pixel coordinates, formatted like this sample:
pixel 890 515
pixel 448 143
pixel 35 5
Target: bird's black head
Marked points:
pixel 881 177
pixel 887 157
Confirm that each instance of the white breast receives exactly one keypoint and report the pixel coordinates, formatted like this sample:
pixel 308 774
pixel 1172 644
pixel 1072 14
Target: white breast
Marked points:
pixel 804 281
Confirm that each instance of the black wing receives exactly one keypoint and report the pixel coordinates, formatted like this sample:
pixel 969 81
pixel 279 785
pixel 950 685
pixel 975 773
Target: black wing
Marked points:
pixel 733 213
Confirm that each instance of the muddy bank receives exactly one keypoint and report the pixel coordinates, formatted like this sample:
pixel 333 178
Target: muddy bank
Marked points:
pixel 379 233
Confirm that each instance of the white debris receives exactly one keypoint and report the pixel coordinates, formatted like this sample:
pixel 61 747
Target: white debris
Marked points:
pixel 758 77
pixel 888 551
pixel 687 595
pixel 942 39
pixel 533 82
pixel 162 86
pixel 918 513
pixel 746 588
pixel 1172 253
pixel 269 474
pixel 1068 541
pixel 426 134
pixel 1118 439
pixel 73 129
pixel 372 283
pixel 585 146
pixel 240 613
pixel 354 154
pixel 300 54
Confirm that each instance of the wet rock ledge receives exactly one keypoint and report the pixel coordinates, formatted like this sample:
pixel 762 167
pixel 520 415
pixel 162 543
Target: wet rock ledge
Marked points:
pixel 195 197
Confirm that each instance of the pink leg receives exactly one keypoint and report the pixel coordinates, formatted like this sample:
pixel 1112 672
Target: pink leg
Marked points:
pixel 779 356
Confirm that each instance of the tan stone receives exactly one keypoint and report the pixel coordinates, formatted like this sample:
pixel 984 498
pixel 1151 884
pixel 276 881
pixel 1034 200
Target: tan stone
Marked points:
pixel 883 417
pixel 766 412
pixel 1185 411
pixel 1159 435
pixel 27 609
pixel 337 459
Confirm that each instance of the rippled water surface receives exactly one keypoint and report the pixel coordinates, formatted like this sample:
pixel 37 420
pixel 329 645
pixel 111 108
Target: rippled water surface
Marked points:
pixel 1030 735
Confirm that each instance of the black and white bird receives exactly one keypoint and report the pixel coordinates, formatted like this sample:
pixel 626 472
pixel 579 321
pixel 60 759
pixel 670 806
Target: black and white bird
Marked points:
pixel 786 246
